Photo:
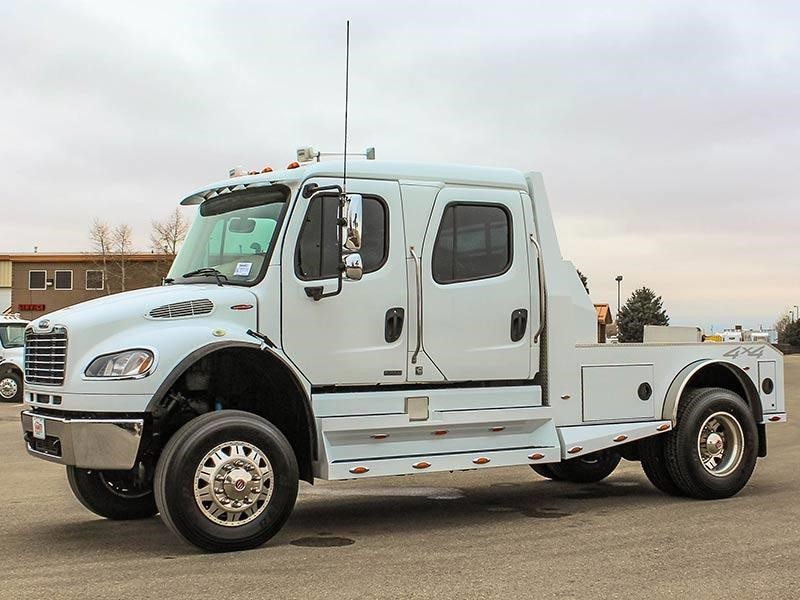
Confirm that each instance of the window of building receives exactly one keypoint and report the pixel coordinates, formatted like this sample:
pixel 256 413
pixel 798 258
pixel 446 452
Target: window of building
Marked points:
pixel 318 247
pixel 63 280
pixel 94 280
pixel 473 242
pixel 37 280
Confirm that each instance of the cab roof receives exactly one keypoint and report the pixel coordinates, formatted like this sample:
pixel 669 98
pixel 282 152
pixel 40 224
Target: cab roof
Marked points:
pixel 370 169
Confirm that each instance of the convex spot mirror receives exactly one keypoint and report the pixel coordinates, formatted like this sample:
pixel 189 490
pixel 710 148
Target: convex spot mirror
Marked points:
pixel 353 269
pixel 353 213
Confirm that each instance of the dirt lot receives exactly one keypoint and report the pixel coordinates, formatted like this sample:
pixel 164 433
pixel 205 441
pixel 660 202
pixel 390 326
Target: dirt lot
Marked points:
pixel 500 533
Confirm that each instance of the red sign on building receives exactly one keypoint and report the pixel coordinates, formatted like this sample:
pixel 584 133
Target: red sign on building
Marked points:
pixel 36 307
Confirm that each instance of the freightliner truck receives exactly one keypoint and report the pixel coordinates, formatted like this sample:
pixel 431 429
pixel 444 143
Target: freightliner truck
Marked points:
pixel 416 318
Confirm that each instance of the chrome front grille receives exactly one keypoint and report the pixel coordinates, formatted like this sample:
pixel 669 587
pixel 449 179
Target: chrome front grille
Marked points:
pixel 46 356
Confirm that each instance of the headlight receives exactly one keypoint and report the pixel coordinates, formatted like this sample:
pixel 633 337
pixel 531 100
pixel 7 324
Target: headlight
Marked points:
pixel 130 363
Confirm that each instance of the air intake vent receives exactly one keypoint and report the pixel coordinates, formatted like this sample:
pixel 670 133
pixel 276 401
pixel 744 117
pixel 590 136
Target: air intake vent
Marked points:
pixel 189 308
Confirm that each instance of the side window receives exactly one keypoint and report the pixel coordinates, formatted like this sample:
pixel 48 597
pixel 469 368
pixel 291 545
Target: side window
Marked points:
pixel 317 254
pixel 63 280
pixel 473 242
pixel 37 280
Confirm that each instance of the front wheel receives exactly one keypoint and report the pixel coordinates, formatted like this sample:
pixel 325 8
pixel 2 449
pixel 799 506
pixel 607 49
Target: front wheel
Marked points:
pixel 117 495
pixel 712 451
pixel 586 469
pixel 226 481
pixel 10 387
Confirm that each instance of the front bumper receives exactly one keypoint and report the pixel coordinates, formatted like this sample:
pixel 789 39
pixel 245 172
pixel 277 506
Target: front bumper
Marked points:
pixel 86 443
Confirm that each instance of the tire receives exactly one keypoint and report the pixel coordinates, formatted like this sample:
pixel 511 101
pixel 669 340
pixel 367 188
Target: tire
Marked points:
pixel 545 471
pixel 217 514
pixel 10 387
pixel 114 495
pixel 654 464
pixel 712 420
pixel 587 469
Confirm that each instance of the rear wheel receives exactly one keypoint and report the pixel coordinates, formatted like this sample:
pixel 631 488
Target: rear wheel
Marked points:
pixel 712 451
pixel 545 471
pixel 118 495
pixel 654 464
pixel 587 469
pixel 10 387
pixel 226 481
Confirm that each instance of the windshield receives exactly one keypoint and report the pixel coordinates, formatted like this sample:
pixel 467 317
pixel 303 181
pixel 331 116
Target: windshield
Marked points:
pixel 12 336
pixel 233 234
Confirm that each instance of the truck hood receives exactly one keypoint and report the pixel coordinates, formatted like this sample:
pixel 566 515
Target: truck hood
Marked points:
pixel 170 321
pixel 164 302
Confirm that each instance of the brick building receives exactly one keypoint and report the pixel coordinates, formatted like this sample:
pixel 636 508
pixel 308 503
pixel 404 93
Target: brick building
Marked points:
pixel 44 282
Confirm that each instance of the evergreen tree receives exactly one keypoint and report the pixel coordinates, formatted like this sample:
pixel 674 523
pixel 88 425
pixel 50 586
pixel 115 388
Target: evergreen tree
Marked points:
pixel 790 334
pixel 584 280
pixel 642 308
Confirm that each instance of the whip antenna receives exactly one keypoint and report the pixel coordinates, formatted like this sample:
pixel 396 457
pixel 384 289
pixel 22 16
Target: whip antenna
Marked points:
pixel 346 98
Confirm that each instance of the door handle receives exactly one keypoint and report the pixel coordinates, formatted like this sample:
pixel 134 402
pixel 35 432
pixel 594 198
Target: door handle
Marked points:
pixel 394 324
pixel 519 323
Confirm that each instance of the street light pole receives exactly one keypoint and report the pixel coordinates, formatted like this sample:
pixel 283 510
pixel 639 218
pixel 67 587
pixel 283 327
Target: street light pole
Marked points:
pixel 796 314
pixel 619 283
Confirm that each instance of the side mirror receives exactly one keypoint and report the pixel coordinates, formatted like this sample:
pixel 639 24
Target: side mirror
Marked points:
pixel 353 268
pixel 353 212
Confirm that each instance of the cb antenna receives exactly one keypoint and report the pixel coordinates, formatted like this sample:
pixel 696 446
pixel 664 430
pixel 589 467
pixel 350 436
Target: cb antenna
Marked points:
pixel 346 98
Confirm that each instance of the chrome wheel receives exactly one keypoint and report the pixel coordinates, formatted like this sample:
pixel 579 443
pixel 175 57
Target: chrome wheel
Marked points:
pixel 720 444
pixel 8 387
pixel 233 483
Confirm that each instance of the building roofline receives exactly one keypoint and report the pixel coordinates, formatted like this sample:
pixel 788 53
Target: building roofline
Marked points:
pixel 67 257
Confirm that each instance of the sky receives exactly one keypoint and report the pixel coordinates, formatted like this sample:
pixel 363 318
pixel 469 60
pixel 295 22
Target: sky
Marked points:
pixel 668 133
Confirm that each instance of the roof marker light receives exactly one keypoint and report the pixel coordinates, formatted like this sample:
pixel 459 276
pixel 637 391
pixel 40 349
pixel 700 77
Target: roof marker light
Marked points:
pixel 266 169
pixel 293 165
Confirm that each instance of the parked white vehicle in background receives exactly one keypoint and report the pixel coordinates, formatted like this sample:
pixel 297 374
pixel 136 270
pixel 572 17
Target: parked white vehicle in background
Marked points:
pixel 424 322
pixel 12 339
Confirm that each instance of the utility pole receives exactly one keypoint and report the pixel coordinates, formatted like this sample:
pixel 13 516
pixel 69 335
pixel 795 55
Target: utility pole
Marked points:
pixel 619 283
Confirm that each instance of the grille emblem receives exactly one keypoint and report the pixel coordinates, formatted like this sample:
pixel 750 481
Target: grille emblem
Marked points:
pixel 43 324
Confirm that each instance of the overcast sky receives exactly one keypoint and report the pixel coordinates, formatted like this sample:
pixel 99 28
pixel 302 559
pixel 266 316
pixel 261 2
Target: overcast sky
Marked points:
pixel 668 132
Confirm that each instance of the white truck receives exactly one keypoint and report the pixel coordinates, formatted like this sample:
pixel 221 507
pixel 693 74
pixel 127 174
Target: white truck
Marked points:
pixel 12 339
pixel 420 320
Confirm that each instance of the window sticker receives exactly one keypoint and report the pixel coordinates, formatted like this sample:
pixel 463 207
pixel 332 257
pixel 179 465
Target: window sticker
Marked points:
pixel 242 269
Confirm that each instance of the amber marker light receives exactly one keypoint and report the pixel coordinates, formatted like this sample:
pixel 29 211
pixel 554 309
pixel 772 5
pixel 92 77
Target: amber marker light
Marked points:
pixel 421 465
pixel 481 460
pixel 620 438
pixel 439 432
pixel 359 470
pixel 663 427
pixel 574 449
pixel 536 456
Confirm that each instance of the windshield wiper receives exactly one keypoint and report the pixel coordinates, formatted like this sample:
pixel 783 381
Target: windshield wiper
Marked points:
pixel 210 271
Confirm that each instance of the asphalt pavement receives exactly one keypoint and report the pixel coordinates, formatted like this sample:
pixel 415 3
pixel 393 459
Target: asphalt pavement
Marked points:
pixel 497 533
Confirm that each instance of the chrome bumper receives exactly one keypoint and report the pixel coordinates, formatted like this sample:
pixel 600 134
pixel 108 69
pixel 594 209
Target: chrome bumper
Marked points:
pixel 86 443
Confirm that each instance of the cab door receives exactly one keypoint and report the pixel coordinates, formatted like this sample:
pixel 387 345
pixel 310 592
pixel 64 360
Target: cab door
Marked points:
pixel 477 286
pixel 360 335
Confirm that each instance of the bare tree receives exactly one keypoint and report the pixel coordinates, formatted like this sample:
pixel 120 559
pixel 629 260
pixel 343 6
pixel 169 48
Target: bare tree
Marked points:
pixel 167 235
pixel 122 244
pixel 100 235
